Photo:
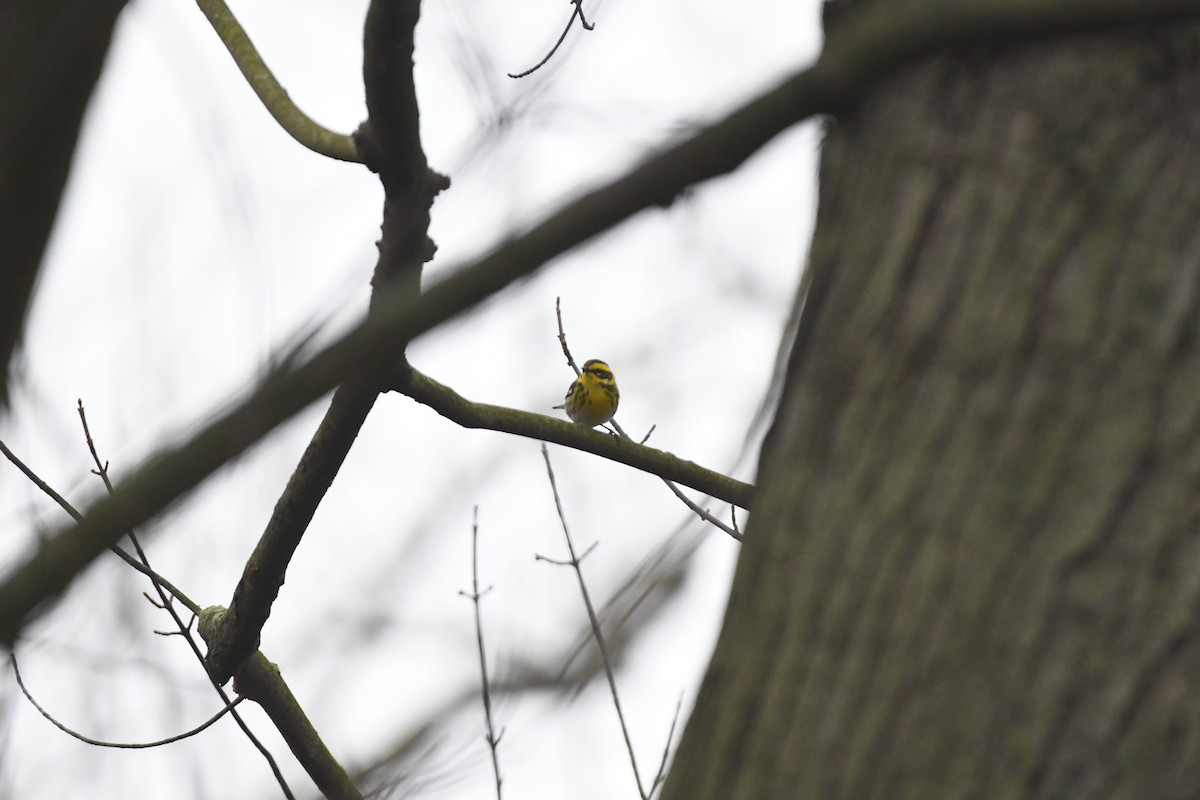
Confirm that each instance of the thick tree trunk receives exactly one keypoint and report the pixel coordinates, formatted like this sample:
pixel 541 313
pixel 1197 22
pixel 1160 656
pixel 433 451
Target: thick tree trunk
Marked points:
pixel 974 565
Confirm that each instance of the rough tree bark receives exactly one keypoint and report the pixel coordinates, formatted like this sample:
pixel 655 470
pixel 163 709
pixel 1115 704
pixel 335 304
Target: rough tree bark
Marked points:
pixel 974 566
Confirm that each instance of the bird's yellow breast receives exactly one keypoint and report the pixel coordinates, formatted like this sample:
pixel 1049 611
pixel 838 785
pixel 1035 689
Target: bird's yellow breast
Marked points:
pixel 593 397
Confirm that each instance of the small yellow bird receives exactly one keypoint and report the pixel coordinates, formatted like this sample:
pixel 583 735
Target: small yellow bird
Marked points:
pixel 593 396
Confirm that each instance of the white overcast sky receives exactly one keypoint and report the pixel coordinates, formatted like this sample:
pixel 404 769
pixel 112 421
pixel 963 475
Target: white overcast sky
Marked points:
pixel 197 240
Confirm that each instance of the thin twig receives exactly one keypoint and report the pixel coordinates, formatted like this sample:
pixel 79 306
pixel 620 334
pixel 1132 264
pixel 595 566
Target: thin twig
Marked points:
pixel 161 586
pixel 562 336
pixel 39 483
pixel 587 26
pixel 474 596
pixel 568 563
pixel 646 438
pixel 77 516
pixel 662 764
pixel 697 510
pixel 101 469
pixel 700 512
pixel 595 622
pixel 12 657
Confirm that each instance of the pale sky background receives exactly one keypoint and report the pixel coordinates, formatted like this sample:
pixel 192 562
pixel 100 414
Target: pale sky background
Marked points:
pixel 197 240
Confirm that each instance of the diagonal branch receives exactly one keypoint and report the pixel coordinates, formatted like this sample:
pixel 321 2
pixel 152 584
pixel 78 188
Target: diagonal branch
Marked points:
pixel 391 146
pixel 237 637
pixel 456 408
pixel 862 51
pixel 593 619
pixel 261 681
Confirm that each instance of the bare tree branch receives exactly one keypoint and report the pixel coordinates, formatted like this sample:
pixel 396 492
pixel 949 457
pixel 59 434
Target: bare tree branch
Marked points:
pixel 577 12
pixel 274 97
pixel 458 409
pixel 391 146
pixel 165 602
pixel 261 681
pixel 493 739
pixel 12 658
pixel 593 618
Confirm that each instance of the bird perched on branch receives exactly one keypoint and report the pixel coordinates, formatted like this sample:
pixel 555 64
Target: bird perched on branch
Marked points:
pixel 593 396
